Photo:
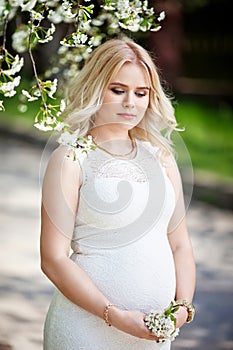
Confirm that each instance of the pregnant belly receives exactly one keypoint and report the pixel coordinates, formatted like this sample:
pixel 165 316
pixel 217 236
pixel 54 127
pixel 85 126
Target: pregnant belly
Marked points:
pixel 139 276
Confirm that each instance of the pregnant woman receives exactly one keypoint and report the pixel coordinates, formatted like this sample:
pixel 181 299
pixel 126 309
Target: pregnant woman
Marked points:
pixel 114 239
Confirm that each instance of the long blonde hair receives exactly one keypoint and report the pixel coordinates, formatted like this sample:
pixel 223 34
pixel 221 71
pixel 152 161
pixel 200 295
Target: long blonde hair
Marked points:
pixel 86 91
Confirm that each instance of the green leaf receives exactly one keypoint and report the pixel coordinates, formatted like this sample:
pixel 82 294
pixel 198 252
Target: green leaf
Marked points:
pixel 176 309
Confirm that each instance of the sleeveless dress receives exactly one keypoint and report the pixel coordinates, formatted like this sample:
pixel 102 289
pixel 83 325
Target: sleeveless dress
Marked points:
pixel 120 240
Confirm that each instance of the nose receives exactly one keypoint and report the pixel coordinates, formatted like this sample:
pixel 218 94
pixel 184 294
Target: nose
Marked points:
pixel 128 102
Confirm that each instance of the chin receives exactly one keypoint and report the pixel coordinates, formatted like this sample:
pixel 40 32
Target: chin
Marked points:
pixel 127 125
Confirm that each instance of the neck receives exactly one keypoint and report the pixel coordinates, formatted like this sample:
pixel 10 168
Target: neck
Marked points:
pixel 108 134
pixel 113 142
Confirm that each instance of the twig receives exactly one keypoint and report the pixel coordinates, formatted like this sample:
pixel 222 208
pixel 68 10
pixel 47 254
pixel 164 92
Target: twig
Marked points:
pixel 4 39
pixel 4 32
pixel 36 74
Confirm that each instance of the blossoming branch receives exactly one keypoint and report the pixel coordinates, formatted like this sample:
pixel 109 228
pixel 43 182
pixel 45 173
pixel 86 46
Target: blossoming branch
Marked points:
pixel 87 26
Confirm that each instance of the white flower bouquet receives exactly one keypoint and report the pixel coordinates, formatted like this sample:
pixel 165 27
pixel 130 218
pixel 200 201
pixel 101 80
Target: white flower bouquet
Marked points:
pixel 163 324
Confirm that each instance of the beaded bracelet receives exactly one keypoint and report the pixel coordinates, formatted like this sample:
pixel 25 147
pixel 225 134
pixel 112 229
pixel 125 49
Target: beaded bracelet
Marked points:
pixel 189 307
pixel 106 310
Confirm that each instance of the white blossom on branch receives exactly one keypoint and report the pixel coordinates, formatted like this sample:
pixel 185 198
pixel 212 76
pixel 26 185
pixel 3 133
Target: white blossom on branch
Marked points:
pixel 82 31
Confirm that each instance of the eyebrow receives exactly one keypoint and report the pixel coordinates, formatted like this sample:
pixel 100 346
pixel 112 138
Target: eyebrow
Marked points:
pixel 124 85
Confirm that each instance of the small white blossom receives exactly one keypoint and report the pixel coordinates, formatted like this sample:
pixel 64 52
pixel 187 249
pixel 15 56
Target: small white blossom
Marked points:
pixel 85 26
pixel 16 66
pixel 36 16
pixel 48 37
pixel 67 10
pixel 7 89
pixel 95 40
pixel 132 25
pixel 62 105
pixel 156 29
pixel 66 5
pixel 6 11
pixel 86 53
pixel 37 93
pixel 28 5
pixel 10 93
pixel 22 108
pixel 43 127
pixel 16 81
pixel 60 126
pixel 20 39
pixel 79 146
pixel 85 144
pixel 51 3
pixel 77 39
pixel 59 15
pixel 161 16
pixel 78 154
pixel 1 106
pixel 97 22
pixel 53 87
pixel 146 27
pixel 62 50
pixel 69 139
pixel 55 16
pixel 108 7
pixel 29 97
pixel 15 3
pixel 50 120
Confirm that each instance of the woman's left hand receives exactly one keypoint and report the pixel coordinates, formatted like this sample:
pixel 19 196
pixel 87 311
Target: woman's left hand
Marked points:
pixel 181 316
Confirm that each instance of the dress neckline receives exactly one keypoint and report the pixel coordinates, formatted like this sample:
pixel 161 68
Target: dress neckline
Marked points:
pixel 119 157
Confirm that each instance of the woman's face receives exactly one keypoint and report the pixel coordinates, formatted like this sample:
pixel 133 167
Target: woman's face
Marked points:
pixel 126 98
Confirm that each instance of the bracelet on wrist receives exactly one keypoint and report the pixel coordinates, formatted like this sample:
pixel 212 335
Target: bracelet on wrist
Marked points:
pixel 189 307
pixel 105 317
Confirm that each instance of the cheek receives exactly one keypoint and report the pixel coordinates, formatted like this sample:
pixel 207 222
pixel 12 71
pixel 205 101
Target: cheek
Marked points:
pixel 143 104
pixel 109 97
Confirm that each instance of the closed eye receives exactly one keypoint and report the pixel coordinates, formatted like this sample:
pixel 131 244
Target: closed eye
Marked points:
pixel 117 91
pixel 140 93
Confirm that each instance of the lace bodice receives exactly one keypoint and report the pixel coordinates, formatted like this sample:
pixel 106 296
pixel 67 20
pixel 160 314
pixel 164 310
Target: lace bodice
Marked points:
pixel 121 198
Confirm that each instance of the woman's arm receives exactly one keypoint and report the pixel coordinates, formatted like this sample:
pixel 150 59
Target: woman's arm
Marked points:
pixel 59 206
pixel 185 268
pixel 181 247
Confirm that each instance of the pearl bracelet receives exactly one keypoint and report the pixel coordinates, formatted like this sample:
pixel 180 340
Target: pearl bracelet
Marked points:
pixel 106 310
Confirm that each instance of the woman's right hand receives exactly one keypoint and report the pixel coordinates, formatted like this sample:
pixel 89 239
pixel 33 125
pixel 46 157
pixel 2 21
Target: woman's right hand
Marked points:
pixel 131 322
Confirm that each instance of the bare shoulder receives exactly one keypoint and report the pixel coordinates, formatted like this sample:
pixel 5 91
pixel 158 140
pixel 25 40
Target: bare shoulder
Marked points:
pixel 62 154
pixel 173 173
pixel 171 166
pixel 63 167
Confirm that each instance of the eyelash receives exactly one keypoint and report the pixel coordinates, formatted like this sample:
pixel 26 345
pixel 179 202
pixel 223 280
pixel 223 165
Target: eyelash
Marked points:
pixel 120 92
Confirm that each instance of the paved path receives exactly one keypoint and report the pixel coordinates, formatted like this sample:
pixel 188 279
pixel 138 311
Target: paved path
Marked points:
pixel 25 293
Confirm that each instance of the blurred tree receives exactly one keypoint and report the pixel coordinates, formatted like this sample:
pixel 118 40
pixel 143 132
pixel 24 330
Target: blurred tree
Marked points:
pixel 195 49
pixel 167 44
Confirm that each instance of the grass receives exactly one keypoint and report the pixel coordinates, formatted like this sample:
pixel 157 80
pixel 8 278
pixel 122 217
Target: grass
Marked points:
pixel 208 133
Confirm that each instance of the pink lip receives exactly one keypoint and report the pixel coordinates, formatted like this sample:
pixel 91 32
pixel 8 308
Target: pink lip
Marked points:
pixel 127 115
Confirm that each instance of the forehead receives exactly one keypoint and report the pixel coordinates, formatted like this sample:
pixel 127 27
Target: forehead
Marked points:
pixel 132 73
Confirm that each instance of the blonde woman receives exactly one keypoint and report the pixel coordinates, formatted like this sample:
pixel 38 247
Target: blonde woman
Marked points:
pixel 120 210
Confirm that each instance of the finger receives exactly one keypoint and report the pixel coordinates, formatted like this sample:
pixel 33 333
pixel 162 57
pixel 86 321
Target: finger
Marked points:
pixel 151 335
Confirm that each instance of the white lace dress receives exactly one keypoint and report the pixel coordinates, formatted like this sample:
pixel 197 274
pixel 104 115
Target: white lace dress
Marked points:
pixel 120 240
